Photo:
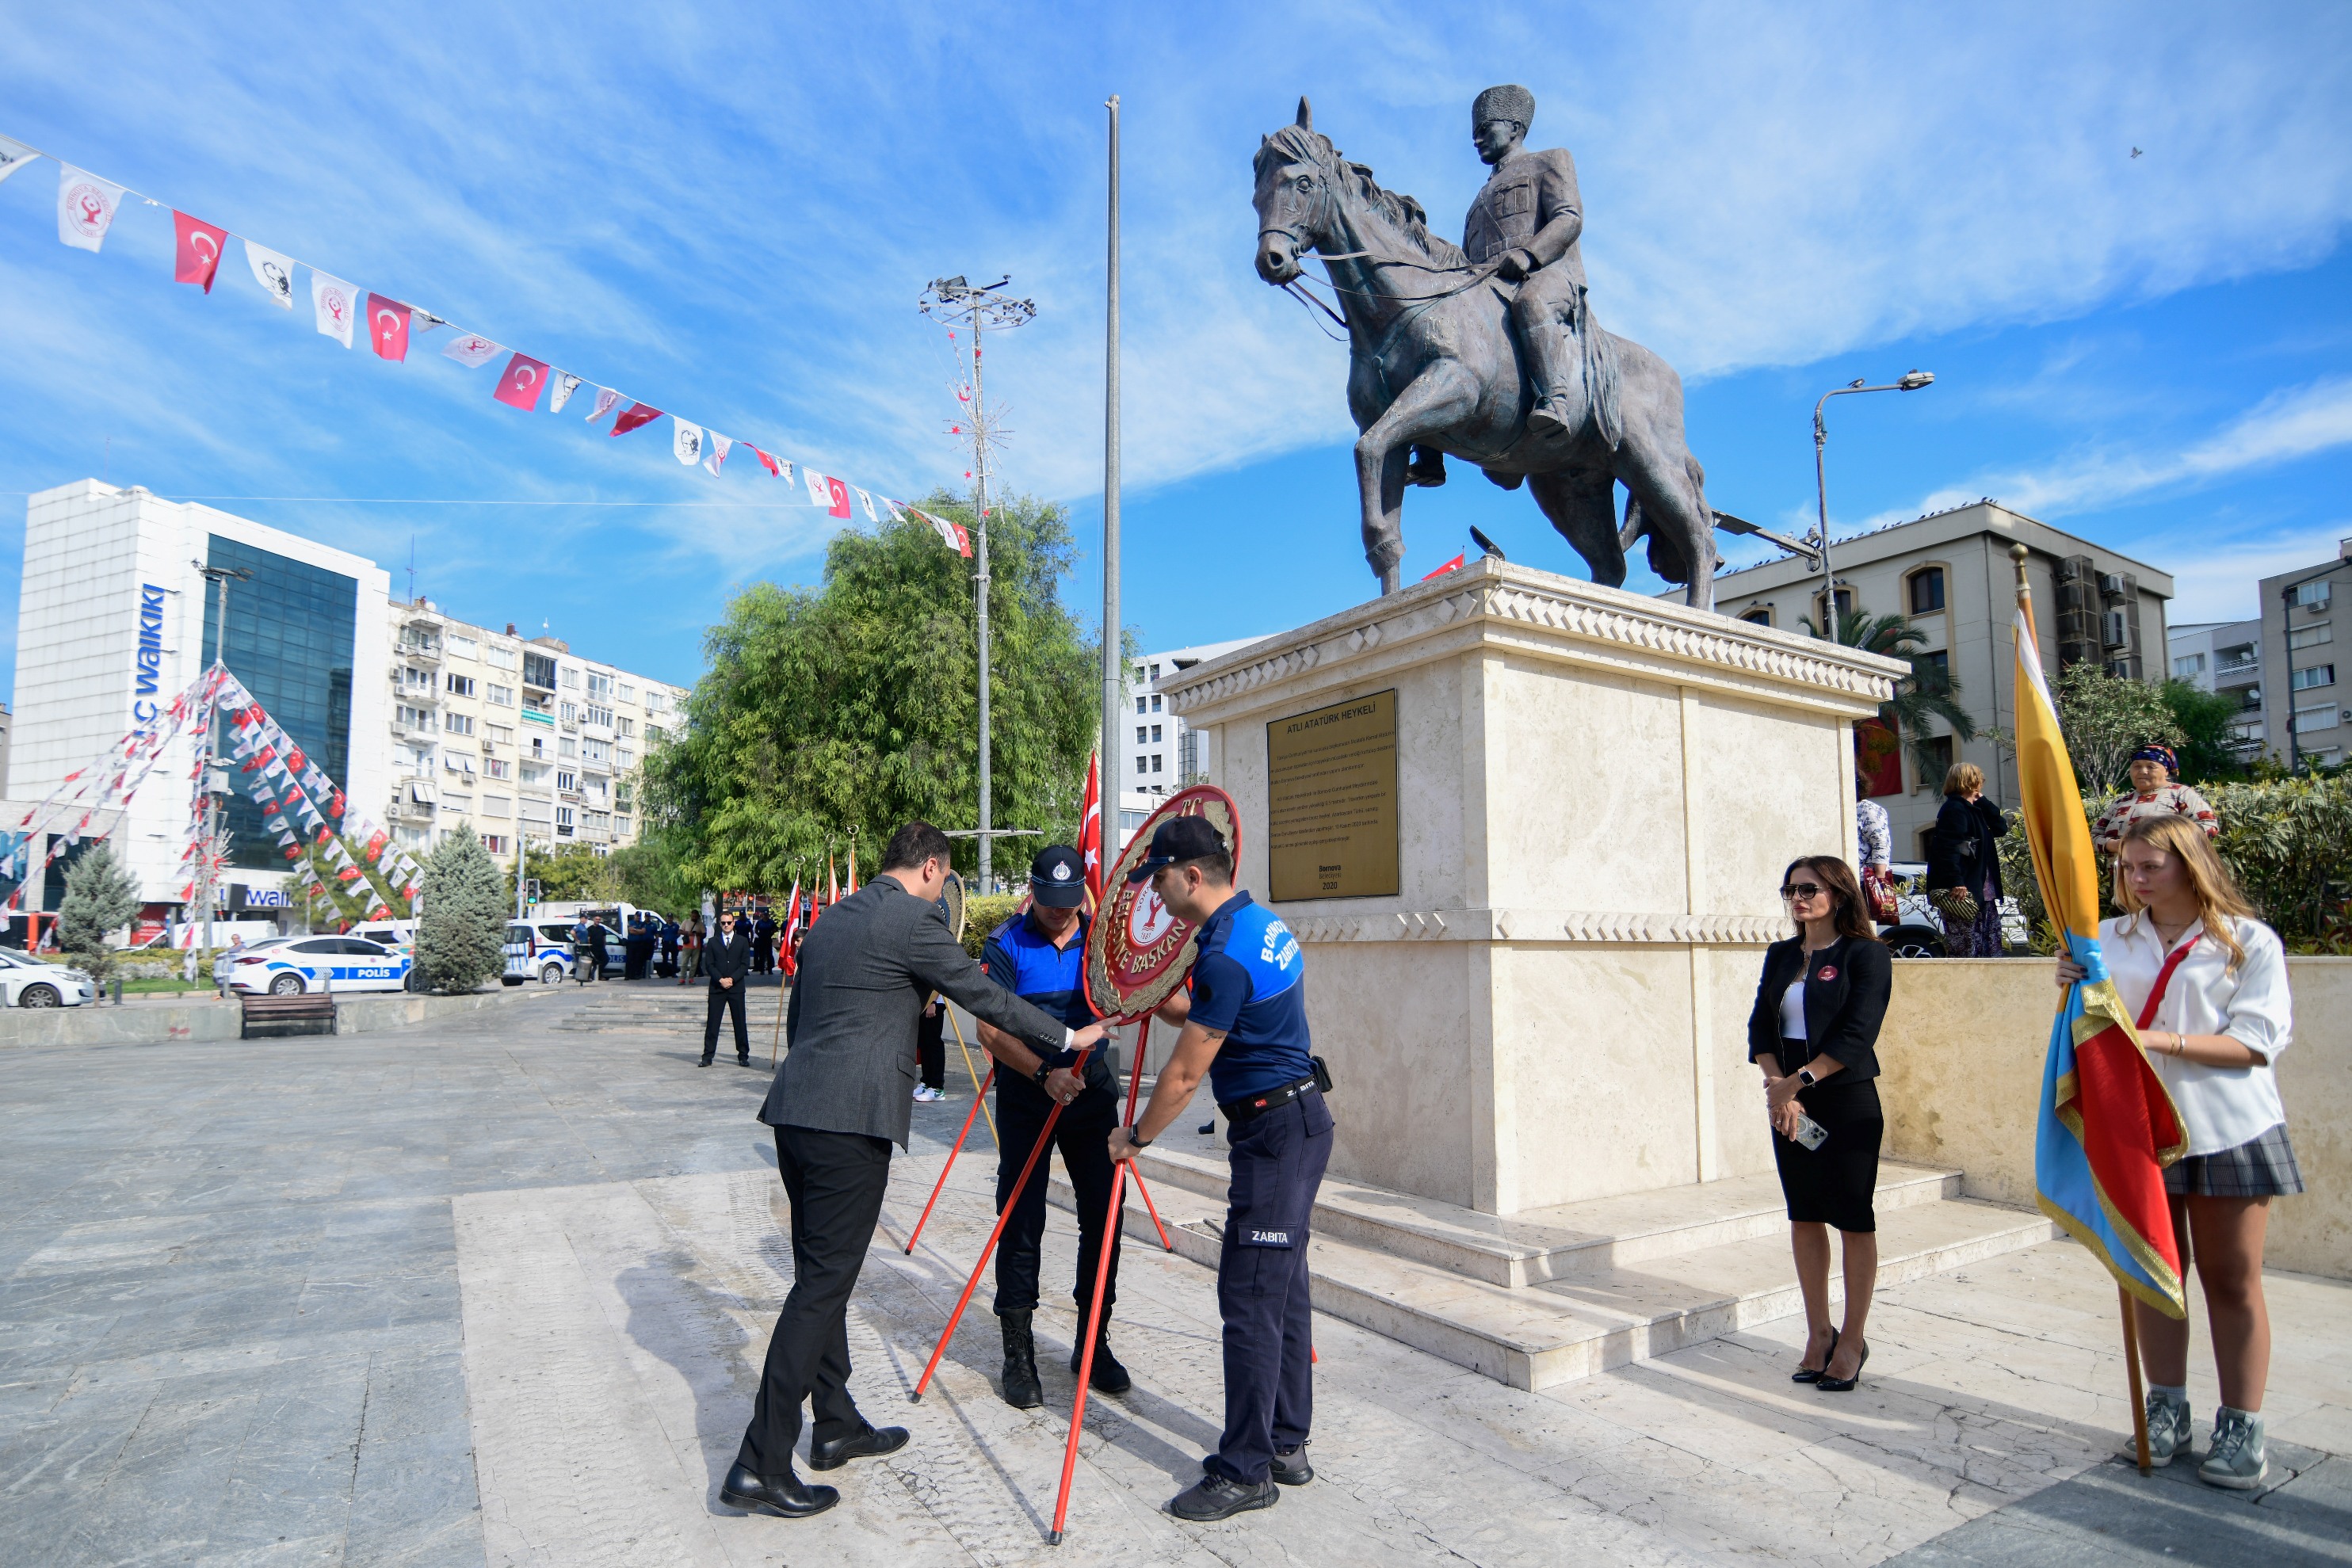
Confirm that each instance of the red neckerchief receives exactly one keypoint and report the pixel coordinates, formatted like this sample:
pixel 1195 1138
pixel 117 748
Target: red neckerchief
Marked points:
pixel 2163 978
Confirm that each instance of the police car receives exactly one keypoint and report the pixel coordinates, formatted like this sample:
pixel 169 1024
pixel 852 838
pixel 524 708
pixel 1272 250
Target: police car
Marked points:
pixel 291 966
pixel 27 982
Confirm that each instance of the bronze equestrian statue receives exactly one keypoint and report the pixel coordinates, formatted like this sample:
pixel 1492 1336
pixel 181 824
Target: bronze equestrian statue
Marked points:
pixel 1489 352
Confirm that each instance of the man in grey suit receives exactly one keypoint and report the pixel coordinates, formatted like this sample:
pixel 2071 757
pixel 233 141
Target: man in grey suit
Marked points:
pixel 838 1103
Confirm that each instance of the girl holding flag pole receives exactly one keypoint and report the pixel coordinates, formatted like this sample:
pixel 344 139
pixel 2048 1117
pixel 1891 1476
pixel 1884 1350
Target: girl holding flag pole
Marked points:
pixel 2206 983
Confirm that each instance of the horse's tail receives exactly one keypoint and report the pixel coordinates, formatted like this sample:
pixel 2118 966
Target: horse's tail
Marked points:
pixel 1666 556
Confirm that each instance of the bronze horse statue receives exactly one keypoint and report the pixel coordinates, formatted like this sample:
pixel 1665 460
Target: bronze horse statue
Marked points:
pixel 1433 364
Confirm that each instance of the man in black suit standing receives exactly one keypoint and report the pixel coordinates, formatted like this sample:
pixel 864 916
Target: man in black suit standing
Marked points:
pixel 838 1103
pixel 727 959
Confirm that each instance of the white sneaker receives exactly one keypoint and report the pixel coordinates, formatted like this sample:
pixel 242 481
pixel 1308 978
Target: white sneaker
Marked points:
pixel 2236 1460
pixel 2168 1431
pixel 925 1095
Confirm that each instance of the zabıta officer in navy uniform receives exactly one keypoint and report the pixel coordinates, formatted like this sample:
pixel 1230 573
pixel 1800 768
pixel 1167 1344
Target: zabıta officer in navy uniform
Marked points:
pixel 1245 1027
pixel 1040 956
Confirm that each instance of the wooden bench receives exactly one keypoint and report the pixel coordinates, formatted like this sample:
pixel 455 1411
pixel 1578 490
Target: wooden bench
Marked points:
pixel 271 1018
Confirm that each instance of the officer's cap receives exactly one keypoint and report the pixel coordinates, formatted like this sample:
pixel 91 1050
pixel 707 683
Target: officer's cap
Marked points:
pixel 1057 877
pixel 1177 840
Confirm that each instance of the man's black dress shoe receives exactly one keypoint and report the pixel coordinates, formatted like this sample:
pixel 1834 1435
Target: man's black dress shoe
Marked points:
pixel 864 1446
pixel 785 1496
pixel 742 1061
pixel 1218 1497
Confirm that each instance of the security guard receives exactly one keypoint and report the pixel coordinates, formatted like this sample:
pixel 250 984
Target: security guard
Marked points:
pixel 1039 957
pixel 1245 1026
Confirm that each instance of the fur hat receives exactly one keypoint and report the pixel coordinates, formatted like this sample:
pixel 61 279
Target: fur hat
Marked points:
pixel 1510 102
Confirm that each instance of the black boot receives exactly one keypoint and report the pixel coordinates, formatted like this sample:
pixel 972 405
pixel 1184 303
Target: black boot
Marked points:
pixel 1106 1376
pixel 1021 1390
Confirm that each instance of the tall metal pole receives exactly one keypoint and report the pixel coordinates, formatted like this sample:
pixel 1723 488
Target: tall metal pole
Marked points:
pixel 219 577
pixel 1114 666
pixel 1911 380
pixel 980 481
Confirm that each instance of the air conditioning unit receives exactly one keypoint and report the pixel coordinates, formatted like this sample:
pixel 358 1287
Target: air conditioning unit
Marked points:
pixel 2111 583
pixel 2113 630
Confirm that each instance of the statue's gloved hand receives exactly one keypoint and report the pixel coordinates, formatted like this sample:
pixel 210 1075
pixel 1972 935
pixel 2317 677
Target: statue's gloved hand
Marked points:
pixel 1514 265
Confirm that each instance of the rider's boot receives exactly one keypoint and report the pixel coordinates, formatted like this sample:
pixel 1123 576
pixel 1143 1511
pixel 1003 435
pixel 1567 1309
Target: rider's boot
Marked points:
pixel 1427 468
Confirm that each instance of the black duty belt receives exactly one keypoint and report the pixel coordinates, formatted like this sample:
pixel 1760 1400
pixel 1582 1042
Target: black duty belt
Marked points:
pixel 1249 1108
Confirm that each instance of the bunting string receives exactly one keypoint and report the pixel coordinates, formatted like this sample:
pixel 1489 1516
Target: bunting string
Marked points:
pixel 88 206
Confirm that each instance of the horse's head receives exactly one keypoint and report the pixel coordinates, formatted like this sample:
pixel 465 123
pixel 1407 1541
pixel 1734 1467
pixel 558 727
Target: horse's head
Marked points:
pixel 1295 169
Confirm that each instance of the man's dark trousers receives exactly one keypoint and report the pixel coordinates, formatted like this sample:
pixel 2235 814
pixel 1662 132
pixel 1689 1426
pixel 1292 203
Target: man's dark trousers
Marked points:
pixel 835 1182
pixel 1083 1137
pixel 725 998
pixel 1261 1292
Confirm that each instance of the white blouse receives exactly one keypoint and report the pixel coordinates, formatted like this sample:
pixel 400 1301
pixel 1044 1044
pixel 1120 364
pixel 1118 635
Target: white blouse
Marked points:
pixel 1792 1016
pixel 2225 1106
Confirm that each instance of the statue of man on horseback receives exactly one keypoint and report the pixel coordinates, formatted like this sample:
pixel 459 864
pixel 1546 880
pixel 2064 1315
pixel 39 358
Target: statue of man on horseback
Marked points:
pixel 1489 352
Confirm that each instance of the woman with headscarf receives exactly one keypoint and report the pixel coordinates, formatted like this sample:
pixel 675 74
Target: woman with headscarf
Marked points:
pixel 2155 791
pixel 1963 865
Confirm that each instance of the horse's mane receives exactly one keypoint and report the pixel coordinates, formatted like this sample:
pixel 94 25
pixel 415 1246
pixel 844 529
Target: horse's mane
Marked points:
pixel 1313 147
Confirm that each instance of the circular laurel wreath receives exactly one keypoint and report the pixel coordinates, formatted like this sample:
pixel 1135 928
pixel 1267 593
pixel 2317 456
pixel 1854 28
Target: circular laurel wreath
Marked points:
pixel 1137 952
pixel 951 905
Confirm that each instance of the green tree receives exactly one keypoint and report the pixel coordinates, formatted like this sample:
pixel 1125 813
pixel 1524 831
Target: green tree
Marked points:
pixel 2204 718
pixel 2106 718
pixel 101 898
pixel 2289 843
pixel 572 871
pixel 461 934
pixel 830 715
pixel 1930 691
pixel 650 874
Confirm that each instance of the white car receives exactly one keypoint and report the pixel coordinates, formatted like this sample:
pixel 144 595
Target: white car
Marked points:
pixel 27 982
pixel 291 966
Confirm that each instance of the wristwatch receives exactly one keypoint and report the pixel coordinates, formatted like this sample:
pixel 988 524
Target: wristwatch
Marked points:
pixel 1805 1076
pixel 1138 1141
pixel 1043 1069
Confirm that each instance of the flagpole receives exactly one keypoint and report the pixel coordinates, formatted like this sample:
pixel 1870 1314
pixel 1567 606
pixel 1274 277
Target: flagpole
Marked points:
pixel 1114 657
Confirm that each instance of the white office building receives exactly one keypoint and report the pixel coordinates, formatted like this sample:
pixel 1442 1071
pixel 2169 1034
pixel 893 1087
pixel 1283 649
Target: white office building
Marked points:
pixel 1158 753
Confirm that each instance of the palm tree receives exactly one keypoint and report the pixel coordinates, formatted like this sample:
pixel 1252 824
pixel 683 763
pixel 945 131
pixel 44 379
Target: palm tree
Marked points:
pixel 1930 691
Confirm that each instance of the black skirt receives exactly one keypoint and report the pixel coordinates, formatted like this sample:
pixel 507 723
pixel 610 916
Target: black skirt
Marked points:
pixel 1834 1184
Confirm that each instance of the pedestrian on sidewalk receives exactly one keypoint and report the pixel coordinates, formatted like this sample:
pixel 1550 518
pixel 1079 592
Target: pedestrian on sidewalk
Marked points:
pixel 1041 957
pixel 2206 983
pixel 585 963
pixel 727 958
pixel 838 1103
pixel 1963 865
pixel 690 967
pixel 763 942
pixel 1814 1032
pixel 1245 1028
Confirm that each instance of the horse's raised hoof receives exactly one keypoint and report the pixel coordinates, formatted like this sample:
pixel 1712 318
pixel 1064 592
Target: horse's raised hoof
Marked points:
pixel 1428 468
pixel 1548 421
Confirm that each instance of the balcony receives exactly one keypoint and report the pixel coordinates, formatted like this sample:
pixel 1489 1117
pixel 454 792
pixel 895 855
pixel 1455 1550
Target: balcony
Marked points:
pixel 422 651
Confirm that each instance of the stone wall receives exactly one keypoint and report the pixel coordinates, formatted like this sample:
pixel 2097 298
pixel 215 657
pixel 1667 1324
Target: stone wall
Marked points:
pixel 1962 1055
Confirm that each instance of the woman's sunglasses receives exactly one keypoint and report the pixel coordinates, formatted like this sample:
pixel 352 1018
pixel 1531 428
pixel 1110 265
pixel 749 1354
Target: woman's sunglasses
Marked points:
pixel 1801 892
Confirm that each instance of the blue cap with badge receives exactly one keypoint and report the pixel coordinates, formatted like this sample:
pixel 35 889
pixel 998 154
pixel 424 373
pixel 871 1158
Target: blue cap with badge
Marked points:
pixel 1057 877
pixel 1175 841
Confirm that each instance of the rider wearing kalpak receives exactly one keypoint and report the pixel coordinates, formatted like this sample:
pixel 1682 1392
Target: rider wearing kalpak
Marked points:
pixel 1525 222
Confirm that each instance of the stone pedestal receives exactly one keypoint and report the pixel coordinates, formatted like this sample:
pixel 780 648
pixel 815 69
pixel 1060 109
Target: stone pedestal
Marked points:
pixel 1596 793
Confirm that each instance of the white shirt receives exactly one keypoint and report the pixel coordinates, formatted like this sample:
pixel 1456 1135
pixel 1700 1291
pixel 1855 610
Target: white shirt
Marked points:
pixel 1792 1016
pixel 2225 1106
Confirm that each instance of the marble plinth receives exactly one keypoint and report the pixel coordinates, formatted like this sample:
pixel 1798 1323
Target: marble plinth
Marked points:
pixel 1596 793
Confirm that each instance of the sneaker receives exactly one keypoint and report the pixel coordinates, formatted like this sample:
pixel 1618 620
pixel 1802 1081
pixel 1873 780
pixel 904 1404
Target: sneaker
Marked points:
pixel 2236 1460
pixel 1219 1497
pixel 926 1095
pixel 1290 1467
pixel 2169 1432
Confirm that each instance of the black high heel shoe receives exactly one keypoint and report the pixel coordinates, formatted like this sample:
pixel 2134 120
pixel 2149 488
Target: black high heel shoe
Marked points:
pixel 1813 1374
pixel 1825 1383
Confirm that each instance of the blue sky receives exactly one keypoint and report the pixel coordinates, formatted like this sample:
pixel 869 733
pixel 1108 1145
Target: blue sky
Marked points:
pixel 729 211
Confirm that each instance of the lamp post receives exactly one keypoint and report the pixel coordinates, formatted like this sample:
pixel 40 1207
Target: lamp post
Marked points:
pixel 215 786
pixel 1912 380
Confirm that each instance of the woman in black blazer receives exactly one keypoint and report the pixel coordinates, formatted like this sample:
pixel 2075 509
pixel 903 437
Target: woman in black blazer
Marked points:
pixel 1814 1031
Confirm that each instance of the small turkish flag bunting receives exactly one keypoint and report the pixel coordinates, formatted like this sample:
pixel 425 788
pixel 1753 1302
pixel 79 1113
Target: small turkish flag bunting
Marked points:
pixel 86 206
pixel 335 302
pixel 635 415
pixel 605 398
pixel 686 440
pixel 387 324
pixel 471 350
pixel 866 501
pixel 817 490
pixel 566 384
pixel 524 379
pixel 199 254
pixel 840 495
pixel 13 155
pixel 715 457
pixel 768 462
pixel 274 272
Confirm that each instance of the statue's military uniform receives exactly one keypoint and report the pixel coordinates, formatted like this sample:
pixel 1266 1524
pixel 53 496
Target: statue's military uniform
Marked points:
pixel 1530 203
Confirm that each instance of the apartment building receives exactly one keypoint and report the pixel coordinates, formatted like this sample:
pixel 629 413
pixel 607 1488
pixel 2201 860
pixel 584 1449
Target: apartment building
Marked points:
pixel 2226 657
pixel 2308 711
pixel 516 738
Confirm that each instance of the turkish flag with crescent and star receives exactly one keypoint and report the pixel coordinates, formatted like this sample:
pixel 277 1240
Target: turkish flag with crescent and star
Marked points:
pixel 387 324
pixel 524 379
pixel 199 253
pixel 635 415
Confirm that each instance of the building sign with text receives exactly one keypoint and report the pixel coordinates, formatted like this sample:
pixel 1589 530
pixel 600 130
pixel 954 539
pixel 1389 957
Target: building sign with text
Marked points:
pixel 1331 801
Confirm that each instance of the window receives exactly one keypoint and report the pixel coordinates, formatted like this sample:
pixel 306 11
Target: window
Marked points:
pixel 657 700
pixel 567 782
pixel 1143 764
pixel 2310 636
pixel 539 670
pixel 413 718
pixel 464 647
pixel 498 734
pixel 501 658
pixel 1759 616
pixel 1138 704
pixel 534 703
pixel 419 639
pixel 625 727
pixel 1155 705
pixel 496 843
pixel 2312 595
pixel 2312 675
pixel 537 775
pixel 496 768
pixel 2320 715
pixel 415 681
pixel 1142 734
pixel 1155 763
pixel 624 756
pixel 597 750
pixel 1155 735
pixel 1933 671
pixel 458 723
pixel 1928 590
pixel 2187 666
pixel 572 676
pixel 595 788
pixel 498 697
pixel 460 686
pixel 564 820
pixel 1939 760
pixel 625 692
pixel 600 685
pixel 602 715
pixel 1155 672
pixel 620 795
pixel 567 747
pixel 655 732
pixel 1844 603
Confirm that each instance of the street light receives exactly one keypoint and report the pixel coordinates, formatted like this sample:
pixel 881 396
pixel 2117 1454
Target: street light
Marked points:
pixel 1912 380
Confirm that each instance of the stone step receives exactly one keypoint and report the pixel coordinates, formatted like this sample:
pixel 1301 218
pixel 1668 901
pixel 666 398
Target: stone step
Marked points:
pixel 1536 1336
pixel 654 1005
pixel 1571 1241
